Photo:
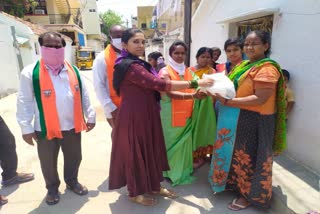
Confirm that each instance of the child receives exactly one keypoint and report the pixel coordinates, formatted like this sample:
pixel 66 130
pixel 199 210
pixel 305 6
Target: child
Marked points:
pixel 288 93
pixel 156 60
pixel 215 56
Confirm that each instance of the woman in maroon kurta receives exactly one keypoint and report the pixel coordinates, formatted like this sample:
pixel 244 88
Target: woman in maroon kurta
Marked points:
pixel 138 155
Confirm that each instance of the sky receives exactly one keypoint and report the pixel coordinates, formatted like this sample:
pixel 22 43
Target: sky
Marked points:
pixel 126 8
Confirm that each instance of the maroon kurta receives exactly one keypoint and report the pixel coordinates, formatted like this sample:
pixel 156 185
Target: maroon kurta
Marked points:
pixel 138 155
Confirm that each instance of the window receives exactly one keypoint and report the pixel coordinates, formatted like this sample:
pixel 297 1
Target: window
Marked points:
pixel 92 10
pixel 84 54
pixel 143 26
pixel 263 23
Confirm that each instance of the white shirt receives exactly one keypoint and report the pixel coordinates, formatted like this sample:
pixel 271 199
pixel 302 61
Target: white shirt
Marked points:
pixel 27 109
pixel 101 84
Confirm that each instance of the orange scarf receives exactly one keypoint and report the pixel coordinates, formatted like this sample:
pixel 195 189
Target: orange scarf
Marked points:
pixel 110 58
pixel 181 109
pixel 49 106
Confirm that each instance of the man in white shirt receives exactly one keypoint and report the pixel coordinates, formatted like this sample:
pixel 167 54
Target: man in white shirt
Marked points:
pixel 52 94
pixel 103 74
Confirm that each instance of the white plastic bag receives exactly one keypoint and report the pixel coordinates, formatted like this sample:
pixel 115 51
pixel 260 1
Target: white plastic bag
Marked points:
pixel 222 85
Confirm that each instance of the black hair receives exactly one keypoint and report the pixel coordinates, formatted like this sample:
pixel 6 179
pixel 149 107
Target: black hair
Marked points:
pixel 129 33
pixel 155 55
pixel 286 73
pixel 112 26
pixel 175 44
pixel 203 50
pixel 216 49
pixel 265 39
pixel 233 41
pixel 55 34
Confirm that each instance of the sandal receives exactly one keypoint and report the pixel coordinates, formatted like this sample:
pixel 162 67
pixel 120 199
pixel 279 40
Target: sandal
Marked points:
pixel 18 179
pixel 78 189
pixel 236 207
pixel 52 199
pixel 199 163
pixel 143 200
pixel 3 200
pixel 166 193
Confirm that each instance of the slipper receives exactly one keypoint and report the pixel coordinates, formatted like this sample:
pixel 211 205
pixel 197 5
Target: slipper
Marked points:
pixel 52 199
pixel 236 207
pixel 166 193
pixel 18 179
pixel 143 200
pixel 3 200
pixel 78 189
pixel 199 163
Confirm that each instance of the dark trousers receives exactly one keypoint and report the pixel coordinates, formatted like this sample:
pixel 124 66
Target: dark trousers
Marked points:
pixel 48 151
pixel 8 155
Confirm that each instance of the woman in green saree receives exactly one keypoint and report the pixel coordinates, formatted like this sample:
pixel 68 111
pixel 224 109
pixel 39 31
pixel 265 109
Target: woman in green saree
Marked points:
pixel 177 116
pixel 204 125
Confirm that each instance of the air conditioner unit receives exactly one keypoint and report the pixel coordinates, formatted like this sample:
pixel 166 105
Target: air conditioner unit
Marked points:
pixel 39 12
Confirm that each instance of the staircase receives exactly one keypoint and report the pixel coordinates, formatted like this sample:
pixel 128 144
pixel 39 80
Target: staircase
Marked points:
pixel 64 9
pixel 63 6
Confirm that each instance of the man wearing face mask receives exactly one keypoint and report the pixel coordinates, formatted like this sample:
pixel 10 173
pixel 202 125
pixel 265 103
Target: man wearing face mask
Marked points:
pixel 53 94
pixel 103 74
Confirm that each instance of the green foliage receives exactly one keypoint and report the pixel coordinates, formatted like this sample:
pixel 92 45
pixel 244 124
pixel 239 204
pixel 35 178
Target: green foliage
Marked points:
pixel 110 18
pixel 15 8
pixel 31 4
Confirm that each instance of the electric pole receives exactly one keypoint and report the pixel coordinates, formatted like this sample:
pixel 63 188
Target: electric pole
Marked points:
pixel 187 28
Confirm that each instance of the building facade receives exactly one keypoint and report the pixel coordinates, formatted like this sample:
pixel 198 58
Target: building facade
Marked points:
pixel 19 47
pixel 144 20
pixel 77 19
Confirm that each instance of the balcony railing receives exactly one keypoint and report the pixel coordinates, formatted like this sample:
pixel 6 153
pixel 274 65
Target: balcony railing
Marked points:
pixel 64 19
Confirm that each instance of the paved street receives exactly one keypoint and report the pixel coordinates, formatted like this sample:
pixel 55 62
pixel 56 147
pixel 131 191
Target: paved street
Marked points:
pixel 96 147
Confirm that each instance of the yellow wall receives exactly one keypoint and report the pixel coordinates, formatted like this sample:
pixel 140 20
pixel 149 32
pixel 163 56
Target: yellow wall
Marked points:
pixel 145 16
pixel 75 4
pixel 173 19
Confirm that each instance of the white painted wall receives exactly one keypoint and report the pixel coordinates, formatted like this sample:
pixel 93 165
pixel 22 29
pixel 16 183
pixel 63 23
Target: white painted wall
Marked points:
pixel 295 46
pixel 9 64
pixel 96 45
pixel 28 51
pixel 69 52
pixel 90 20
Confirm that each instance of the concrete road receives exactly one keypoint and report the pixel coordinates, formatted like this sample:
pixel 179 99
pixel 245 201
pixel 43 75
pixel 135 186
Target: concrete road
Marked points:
pixel 94 170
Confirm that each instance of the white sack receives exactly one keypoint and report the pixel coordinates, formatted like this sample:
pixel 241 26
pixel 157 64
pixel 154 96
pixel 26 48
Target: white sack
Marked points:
pixel 222 85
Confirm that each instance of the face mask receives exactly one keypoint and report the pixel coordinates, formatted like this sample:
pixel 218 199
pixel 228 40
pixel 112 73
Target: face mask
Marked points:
pixel 160 60
pixel 53 58
pixel 117 43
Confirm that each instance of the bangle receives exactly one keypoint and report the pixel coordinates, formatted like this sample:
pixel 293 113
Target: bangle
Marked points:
pixel 183 96
pixel 189 82
pixel 192 96
pixel 194 84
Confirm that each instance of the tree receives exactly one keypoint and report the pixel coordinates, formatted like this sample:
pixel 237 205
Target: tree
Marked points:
pixel 15 8
pixel 31 4
pixel 110 18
